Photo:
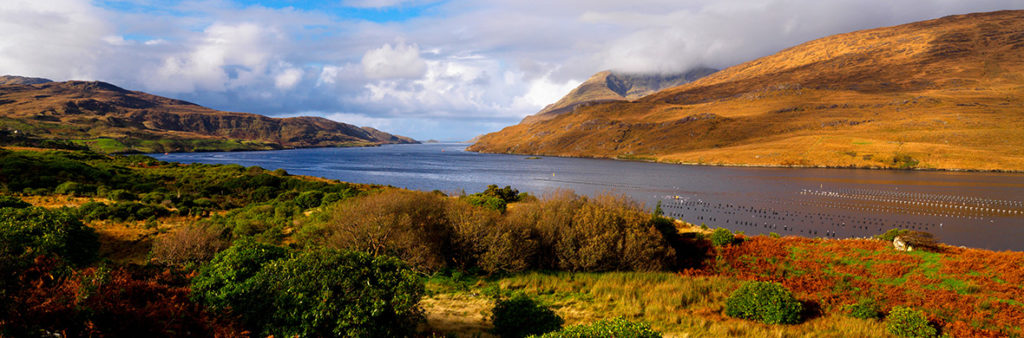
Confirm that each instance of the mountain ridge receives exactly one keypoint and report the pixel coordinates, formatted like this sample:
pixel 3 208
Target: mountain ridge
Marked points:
pixel 610 86
pixel 90 112
pixel 937 94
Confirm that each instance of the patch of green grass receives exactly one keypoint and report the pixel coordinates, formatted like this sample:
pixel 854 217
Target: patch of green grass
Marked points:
pixel 959 286
pixel 104 145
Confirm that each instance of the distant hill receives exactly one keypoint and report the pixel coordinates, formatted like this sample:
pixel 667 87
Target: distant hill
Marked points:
pixel 945 94
pixel 109 118
pixel 608 86
pixel 21 80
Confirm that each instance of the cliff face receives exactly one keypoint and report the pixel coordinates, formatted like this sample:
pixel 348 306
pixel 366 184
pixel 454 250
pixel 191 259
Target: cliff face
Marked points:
pixel 77 110
pixel 945 93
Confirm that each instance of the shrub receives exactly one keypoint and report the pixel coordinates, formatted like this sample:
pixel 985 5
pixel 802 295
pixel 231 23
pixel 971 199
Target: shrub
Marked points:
pixel 29 232
pixel 185 245
pixel 767 302
pixel 75 189
pixel 408 224
pixel 722 237
pixel 121 195
pixel 490 202
pixel 907 322
pixel 607 328
pixel 521 316
pixel 13 202
pixel 506 194
pixel 309 199
pixel 226 282
pixel 326 293
pixel 866 308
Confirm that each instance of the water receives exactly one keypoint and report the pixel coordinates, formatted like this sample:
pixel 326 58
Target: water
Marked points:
pixel 984 210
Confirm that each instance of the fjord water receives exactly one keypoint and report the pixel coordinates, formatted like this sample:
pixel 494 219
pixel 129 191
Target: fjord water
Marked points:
pixel 983 210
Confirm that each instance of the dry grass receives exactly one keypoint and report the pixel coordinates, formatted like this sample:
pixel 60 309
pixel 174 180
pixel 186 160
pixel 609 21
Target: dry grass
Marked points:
pixel 678 306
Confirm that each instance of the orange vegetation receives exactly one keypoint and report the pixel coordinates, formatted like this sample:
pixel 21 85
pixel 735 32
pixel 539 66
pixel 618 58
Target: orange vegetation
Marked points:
pixel 940 94
pixel 969 292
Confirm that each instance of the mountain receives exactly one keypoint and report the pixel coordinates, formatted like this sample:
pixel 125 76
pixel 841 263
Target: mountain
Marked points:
pixel 939 94
pixel 608 86
pixel 21 80
pixel 103 116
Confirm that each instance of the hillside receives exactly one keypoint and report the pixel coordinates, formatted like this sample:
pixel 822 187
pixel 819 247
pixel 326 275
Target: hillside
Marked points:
pixel 938 94
pixel 109 118
pixel 608 86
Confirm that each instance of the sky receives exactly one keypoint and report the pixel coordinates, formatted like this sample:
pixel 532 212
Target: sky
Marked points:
pixel 428 69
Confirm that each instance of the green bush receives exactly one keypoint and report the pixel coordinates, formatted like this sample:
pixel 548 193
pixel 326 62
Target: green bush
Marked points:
pixel 121 195
pixel 607 328
pixel 865 308
pixel 520 316
pixel 767 302
pixel 490 202
pixel 226 282
pixel 29 232
pixel 722 237
pixel 327 293
pixel 75 189
pixel 13 202
pixel 506 194
pixel 309 199
pixel 907 322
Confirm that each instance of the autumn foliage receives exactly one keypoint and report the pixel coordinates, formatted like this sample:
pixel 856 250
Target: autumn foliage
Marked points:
pixel 967 292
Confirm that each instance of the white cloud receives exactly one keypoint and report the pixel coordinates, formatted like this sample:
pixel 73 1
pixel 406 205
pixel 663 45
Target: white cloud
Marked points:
pixel 475 65
pixel 288 78
pixel 399 61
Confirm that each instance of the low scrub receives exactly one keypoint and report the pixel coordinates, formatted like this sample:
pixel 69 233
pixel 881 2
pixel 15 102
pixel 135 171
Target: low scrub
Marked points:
pixel 722 237
pixel 607 328
pixel 521 316
pixel 562 231
pixel 907 322
pixel 766 302
pixel 317 293
pixel 866 308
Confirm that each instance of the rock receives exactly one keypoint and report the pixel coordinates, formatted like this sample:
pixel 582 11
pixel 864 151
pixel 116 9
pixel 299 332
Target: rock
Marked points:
pixel 901 245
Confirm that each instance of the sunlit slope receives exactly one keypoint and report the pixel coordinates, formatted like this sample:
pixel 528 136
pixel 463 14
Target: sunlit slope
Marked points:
pixel 945 93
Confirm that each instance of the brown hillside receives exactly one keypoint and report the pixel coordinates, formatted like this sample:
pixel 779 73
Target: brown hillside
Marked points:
pixel 90 111
pixel 945 93
pixel 608 86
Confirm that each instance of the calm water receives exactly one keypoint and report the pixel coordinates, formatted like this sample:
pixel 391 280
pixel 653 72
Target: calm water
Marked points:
pixel 983 210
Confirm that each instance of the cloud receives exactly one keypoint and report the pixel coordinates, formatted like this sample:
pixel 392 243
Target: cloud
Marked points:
pixel 461 68
pixel 383 3
pixel 399 61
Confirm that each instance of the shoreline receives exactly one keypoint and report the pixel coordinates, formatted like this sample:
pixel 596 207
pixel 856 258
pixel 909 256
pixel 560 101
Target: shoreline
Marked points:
pixel 778 166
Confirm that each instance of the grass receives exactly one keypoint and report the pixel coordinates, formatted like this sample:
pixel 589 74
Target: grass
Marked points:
pixel 674 304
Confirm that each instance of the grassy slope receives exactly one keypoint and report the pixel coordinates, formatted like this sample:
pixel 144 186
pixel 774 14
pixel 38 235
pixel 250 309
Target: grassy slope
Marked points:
pixel 947 93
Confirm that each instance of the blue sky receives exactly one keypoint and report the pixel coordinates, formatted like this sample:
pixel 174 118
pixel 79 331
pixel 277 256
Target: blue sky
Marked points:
pixel 447 70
